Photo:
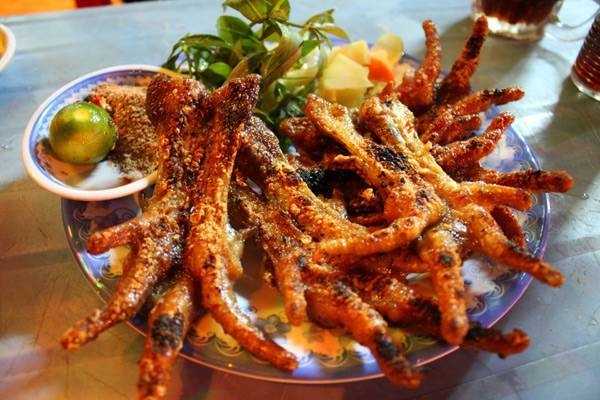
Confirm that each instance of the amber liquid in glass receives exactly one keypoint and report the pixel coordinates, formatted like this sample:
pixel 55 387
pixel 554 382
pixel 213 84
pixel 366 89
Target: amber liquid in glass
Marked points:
pixel 517 19
pixel 586 70
pixel 530 12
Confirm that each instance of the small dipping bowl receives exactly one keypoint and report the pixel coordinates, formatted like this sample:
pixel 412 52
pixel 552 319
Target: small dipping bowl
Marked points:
pixel 101 181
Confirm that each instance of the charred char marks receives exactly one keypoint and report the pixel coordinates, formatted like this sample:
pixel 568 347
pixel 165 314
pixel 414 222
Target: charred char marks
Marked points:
pixel 388 157
pixel 301 262
pixel 386 348
pixel 446 259
pixel 322 181
pixel 425 307
pixel 167 331
pixel 314 178
pixel 492 93
pixel 475 333
pixel 422 197
pixel 474 45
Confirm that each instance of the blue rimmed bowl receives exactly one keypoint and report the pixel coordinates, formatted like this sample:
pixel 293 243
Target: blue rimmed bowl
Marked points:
pixel 101 181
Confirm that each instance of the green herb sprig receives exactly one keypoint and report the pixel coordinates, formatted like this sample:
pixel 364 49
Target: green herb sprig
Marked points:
pixel 267 43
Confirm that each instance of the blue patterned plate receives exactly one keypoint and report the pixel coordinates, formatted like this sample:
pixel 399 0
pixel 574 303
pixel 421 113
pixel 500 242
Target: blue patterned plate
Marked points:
pixel 325 355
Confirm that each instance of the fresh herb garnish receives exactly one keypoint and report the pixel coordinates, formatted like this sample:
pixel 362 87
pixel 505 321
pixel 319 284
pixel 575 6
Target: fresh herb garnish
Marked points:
pixel 284 53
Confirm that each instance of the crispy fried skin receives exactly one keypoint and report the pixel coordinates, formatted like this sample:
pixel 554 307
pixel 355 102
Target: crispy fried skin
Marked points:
pixel 486 236
pixel 285 245
pixel 207 253
pixel 454 155
pixel 407 207
pixel 394 263
pixel 261 158
pixel 158 233
pixel 334 304
pixel 457 83
pixel 393 124
pixel 440 248
pixel 443 123
pixel 494 341
pixel 459 127
pixel 417 90
pixel 414 199
pixel 531 179
pixel 420 315
pixel 306 138
pixel 330 303
pixel 168 324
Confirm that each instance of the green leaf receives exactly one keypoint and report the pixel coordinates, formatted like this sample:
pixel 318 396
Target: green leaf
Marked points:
pixel 204 40
pixel 250 46
pixel 172 61
pixel 254 10
pixel 285 143
pixel 220 69
pixel 260 40
pixel 260 10
pixel 270 32
pixel 284 56
pixel 240 70
pixel 308 46
pixel 334 30
pixel 215 74
pixel 280 10
pixel 232 29
pixel 326 17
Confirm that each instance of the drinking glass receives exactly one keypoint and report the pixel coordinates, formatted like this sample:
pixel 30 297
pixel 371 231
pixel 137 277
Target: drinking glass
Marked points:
pixel 585 73
pixel 517 19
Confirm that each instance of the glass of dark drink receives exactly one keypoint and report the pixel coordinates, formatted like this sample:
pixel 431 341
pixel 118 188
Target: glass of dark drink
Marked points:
pixel 517 19
pixel 585 73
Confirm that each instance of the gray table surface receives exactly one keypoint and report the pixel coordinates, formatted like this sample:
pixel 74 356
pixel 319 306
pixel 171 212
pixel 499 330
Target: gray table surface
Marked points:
pixel 42 290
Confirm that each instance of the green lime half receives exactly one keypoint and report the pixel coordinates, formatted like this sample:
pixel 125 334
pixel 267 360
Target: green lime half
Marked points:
pixel 82 133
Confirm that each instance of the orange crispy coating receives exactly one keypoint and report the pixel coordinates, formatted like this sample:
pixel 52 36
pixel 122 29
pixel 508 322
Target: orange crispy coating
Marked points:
pixel 418 314
pixel 531 179
pixel 454 155
pixel 168 324
pixel 288 256
pixel 507 221
pixel 457 82
pixel 440 249
pixel 442 123
pixel 334 304
pixel 207 253
pixel 262 159
pixel 417 90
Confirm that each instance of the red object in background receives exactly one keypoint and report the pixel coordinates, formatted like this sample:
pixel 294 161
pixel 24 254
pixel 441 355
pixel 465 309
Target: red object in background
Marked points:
pixel 92 3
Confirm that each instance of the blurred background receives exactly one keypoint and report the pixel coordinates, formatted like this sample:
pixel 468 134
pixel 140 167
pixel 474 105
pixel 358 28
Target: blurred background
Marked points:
pixel 18 7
